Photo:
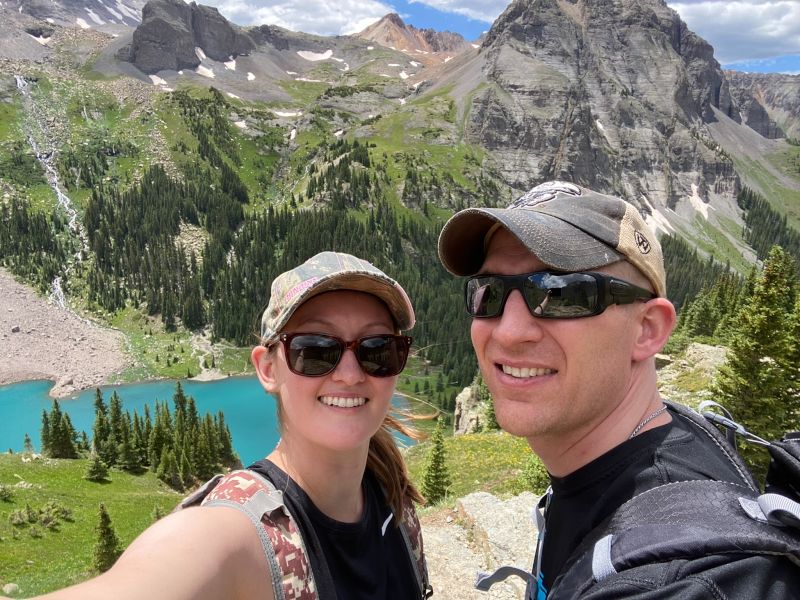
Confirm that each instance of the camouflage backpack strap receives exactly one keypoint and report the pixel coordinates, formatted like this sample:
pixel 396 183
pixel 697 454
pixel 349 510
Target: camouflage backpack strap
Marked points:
pixel 284 549
pixel 411 531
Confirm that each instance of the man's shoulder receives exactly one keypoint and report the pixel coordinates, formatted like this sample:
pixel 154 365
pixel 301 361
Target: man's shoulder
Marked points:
pixel 722 577
pixel 694 449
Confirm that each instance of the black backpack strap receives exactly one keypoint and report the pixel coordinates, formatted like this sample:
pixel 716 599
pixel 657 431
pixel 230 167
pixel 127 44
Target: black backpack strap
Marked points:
pixel 683 520
pixel 727 449
pixel 783 475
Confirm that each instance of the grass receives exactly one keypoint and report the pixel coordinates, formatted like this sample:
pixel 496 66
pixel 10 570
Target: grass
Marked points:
pixel 715 243
pixel 304 92
pixel 63 557
pixel 485 461
pixel 490 462
pixel 782 199
pixel 156 352
pixel 10 118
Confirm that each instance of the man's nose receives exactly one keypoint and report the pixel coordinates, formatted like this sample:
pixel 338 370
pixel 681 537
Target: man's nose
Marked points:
pixel 517 324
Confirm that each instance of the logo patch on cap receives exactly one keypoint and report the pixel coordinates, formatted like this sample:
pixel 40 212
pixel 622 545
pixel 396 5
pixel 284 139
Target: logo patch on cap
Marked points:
pixel 641 242
pixel 544 192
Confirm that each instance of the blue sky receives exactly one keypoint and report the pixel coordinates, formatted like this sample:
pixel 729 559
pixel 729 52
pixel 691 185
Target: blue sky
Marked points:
pixel 747 35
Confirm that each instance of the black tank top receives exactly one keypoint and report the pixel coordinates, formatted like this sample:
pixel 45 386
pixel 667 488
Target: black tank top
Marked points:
pixel 351 561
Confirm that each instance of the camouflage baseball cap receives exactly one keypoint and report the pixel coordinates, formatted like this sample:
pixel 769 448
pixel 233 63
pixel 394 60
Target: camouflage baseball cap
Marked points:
pixel 567 227
pixel 325 272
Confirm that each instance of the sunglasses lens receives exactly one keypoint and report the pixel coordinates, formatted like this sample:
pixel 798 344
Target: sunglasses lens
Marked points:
pixel 567 296
pixel 314 355
pixel 484 296
pixel 382 355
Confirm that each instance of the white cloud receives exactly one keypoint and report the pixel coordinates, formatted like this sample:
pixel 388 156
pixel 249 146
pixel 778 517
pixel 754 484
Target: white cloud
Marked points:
pixel 745 30
pixel 323 17
pixel 479 10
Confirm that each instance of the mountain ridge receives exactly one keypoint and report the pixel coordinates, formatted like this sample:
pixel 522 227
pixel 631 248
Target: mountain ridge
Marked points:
pixel 620 96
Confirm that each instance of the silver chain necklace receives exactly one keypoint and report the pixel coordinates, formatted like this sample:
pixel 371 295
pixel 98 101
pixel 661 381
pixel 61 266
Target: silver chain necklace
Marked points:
pixel 646 420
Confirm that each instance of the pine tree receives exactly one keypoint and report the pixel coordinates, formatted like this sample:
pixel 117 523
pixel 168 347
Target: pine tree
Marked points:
pixel 185 471
pixel 45 434
pixel 101 428
pixel 436 478
pixel 204 459
pixel 97 470
pixel 485 399
pixel 106 549
pixel 227 456
pixel 168 470
pixel 128 459
pixel 792 399
pixel 754 381
pixel 28 445
pixel 58 430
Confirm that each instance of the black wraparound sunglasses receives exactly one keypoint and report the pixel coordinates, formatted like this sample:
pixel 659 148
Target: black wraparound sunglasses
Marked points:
pixel 551 294
pixel 317 354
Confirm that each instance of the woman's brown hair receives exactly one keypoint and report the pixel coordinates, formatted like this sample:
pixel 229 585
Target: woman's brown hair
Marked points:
pixel 387 464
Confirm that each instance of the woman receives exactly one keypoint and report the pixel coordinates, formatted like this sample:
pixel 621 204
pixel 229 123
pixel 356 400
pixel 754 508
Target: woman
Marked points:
pixel 331 352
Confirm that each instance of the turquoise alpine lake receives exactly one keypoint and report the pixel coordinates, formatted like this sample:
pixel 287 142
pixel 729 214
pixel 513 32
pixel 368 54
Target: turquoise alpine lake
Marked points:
pixel 249 411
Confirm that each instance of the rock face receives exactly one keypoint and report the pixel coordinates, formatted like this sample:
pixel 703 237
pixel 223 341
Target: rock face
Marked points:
pixel 171 30
pixel 468 411
pixel 614 94
pixel 771 100
pixel 69 13
pixel 483 533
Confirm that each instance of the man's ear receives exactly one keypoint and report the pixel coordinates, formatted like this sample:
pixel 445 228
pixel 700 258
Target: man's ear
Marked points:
pixel 264 361
pixel 656 322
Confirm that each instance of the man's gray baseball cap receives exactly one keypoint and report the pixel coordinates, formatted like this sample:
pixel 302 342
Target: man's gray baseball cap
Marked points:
pixel 567 227
pixel 326 272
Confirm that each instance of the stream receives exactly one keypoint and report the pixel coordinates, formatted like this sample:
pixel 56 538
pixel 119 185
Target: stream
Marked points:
pixel 46 157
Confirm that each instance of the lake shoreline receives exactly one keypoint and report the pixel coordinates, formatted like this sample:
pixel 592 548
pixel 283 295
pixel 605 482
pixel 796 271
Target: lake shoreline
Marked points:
pixel 42 341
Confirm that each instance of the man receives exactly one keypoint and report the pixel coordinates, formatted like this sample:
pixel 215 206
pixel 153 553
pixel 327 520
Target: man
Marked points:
pixel 567 291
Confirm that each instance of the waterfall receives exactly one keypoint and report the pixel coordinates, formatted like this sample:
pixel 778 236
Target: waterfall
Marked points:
pixel 46 158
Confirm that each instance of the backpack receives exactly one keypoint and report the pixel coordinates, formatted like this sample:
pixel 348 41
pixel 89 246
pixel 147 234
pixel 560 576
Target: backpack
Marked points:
pixel 686 519
pixel 292 576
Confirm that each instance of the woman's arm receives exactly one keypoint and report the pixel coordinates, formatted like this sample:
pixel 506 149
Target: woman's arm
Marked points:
pixel 195 554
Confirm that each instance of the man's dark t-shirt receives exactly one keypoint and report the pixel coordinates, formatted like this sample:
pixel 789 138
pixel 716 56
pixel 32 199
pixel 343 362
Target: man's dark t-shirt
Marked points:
pixel 678 451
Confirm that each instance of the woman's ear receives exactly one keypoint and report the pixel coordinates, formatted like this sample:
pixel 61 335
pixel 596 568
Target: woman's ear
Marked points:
pixel 656 322
pixel 263 360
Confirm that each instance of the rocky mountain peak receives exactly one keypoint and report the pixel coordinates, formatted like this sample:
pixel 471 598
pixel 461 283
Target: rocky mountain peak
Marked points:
pixel 393 32
pixel 611 93
pixel 394 19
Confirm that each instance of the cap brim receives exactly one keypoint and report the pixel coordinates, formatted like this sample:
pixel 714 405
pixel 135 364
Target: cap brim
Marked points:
pixel 556 243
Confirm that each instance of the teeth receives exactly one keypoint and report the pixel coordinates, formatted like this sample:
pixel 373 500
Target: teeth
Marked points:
pixel 525 372
pixel 342 402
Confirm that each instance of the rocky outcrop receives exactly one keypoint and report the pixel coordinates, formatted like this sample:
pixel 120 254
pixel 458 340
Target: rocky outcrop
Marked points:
pixel 612 94
pixel 468 411
pixel 770 102
pixel 482 533
pixel 171 30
